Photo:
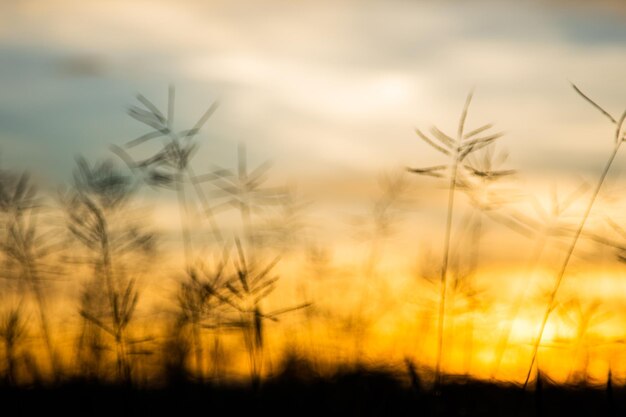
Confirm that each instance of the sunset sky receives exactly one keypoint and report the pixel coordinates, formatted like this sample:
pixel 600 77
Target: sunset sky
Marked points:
pixel 331 91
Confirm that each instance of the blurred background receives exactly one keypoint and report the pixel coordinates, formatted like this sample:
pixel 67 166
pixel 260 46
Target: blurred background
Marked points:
pixel 332 92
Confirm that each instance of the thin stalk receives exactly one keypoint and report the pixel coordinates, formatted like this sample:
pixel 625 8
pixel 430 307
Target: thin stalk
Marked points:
pixel 197 341
pixel 112 292
pixel 246 220
pixel 208 211
pixel 216 369
pixel 123 368
pixel 476 236
pixel 252 333
pixel 183 208
pixel 183 211
pixel 244 206
pixel 43 318
pixel 248 335
pixel 190 173
pixel 446 245
pixel 568 256
pixel 444 270
pixel 204 201
pixel 108 267
pixel 257 345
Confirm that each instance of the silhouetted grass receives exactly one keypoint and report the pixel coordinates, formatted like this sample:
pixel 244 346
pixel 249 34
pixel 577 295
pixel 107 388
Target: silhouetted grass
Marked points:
pixel 96 209
pixel 12 334
pixel 25 247
pixel 456 150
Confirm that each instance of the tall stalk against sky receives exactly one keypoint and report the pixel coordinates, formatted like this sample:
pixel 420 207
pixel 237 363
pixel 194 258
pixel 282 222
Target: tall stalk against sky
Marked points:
pixel 171 165
pixel 456 150
pixel 619 137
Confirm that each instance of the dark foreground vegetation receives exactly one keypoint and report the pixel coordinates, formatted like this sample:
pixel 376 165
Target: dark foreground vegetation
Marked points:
pixel 355 392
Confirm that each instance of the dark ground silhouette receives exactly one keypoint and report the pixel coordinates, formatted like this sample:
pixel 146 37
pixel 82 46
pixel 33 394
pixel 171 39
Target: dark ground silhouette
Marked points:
pixel 361 392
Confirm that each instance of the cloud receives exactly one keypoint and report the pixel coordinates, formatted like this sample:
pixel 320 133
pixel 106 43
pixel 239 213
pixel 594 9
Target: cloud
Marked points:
pixel 332 82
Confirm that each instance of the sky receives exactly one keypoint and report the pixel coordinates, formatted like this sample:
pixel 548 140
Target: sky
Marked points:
pixel 316 86
pixel 331 91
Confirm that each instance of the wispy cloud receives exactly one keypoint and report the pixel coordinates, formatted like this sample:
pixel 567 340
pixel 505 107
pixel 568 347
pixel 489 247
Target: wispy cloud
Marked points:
pixel 339 81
